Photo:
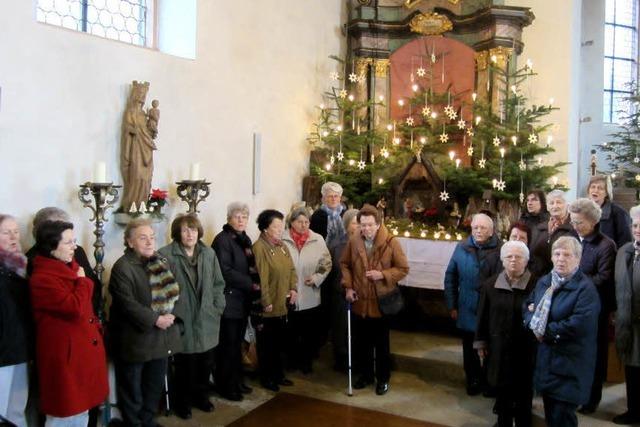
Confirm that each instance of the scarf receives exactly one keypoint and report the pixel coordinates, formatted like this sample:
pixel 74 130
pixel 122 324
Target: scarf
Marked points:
pixel 14 261
pixel 555 223
pixel 299 238
pixel 241 239
pixel 165 291
pixel 335 226
pixel 540 317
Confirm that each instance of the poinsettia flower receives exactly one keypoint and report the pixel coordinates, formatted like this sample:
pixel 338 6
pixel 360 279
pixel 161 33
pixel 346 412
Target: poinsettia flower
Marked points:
pixel 159 194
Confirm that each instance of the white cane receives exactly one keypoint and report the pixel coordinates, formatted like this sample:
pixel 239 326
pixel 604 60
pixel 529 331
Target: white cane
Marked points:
pixel 349 387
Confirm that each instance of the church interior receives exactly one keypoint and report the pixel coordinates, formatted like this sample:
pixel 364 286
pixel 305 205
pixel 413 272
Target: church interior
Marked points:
pixel 429 110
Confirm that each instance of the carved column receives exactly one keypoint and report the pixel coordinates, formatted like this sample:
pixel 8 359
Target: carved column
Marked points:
pixel 488 85
pixel 381 88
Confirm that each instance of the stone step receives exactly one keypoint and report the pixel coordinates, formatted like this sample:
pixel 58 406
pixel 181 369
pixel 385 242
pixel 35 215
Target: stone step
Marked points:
pixel 434 357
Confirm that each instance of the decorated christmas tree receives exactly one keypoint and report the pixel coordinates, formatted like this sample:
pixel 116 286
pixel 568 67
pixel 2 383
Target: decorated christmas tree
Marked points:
pixel 473 144
pixel 623 150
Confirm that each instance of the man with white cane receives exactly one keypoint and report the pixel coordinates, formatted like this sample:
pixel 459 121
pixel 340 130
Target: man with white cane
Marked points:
pixel 372 264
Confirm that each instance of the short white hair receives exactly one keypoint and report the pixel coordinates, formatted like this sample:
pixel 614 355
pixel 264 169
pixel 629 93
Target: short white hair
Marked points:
pixel 634 212
pixel 235 207
pixel 556 194
pixel 514 244
pixel 480 216
pixel 331 186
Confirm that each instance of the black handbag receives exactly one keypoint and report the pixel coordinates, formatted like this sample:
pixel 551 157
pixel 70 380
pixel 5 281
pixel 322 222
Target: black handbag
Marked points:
pixel 391 303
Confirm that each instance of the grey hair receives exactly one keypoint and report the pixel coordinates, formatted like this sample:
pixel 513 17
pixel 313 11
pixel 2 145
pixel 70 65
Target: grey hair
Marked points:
pixel 297 212
pixel 133 225
pixel 50 213
pixel 634 212
pixel 234 207
pixel 514 244
pixel 568 242
pixel 482 216
pixel 586 207
pixel 556 194
pixel 349 216
pixel 331 187
pixel 4 217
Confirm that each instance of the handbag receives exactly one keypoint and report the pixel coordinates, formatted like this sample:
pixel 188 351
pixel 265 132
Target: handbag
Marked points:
pixel 391 303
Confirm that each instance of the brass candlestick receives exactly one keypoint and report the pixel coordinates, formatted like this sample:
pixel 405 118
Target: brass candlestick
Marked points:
pixel 105 195
pixel 193 192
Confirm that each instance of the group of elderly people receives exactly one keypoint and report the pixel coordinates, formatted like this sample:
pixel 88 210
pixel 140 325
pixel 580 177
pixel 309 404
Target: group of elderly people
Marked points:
pixel 535 312
pixel 551 287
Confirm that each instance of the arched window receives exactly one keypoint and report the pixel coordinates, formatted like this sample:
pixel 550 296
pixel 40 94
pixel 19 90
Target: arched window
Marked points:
pixel 620 56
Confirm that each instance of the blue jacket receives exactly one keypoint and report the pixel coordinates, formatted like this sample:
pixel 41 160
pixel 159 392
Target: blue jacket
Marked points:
pixel 566 357
pixel 469 266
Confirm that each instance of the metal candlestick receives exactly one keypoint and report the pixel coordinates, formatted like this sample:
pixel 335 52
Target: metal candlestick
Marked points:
pixel 192 192
pixel 105 195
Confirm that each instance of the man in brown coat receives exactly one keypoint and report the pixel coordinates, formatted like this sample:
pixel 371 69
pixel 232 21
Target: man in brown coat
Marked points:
pixel 371 264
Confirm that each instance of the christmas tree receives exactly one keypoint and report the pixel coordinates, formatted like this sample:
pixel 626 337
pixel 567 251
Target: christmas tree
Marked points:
pixel 623 150
pixel 474 145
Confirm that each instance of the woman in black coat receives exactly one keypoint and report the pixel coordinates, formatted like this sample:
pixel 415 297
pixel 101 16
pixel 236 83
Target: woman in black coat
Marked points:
pixel 16 331
pixel 615 222
pixel 502 341
pixel 242 291
pixel 535 211
pixel 598 263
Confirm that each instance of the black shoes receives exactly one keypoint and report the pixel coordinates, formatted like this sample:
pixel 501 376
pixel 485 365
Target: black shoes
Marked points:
pixel 285 382
pixel 204 405
pixel 382 388
pixel 244 389
pixel 233 396
pixel 362 382
pixel 474 388
pixel 587 409
pixel 183 412
pixel 270 385
pixel 626 418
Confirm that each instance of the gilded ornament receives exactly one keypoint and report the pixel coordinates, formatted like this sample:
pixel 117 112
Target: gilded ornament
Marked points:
pixel 382 67
pixel 430 24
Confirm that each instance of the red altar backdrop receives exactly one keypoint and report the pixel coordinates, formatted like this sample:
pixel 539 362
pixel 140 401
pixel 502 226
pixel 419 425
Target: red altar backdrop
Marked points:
pixel 459 72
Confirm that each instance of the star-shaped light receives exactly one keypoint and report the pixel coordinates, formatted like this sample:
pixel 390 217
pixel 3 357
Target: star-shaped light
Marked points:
pixel 426 111
pixel 421 72
pixel 522 165
pixel 409 121
pixel 470 150
pixel 501 185
pixel 448 110
pixel 482 163
pixel 521 197
pixel 637 177
pixel 361 165
pixel 636 160
pixel 332 159
pixel 362 79
pixel 444 138
pixel 470 131
pixel 496 141
pixel 353 77
pixel 433 58
pixel 453 115
pixel 340 155
pixel 384 152
pixel 343 93
pixel 334 75
pixel 461 124
pixel 444 196
pixel 533 138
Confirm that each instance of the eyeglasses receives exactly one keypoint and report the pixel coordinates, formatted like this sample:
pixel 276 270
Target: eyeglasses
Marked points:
pixel 578 223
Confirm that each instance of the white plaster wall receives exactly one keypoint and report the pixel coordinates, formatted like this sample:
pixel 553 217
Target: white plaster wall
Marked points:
pixel 552 42
pixel 261 66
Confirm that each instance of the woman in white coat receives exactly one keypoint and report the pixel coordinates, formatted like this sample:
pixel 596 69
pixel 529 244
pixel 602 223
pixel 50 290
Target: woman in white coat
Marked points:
pixel 313 263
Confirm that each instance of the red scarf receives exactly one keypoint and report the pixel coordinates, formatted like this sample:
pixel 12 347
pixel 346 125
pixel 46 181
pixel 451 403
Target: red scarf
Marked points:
pixel 299 238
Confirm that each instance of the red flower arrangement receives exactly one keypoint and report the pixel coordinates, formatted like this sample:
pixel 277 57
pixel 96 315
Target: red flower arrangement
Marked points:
pixel 157 199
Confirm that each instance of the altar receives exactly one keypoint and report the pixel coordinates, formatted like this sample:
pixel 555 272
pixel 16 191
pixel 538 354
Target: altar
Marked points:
pixel 428 260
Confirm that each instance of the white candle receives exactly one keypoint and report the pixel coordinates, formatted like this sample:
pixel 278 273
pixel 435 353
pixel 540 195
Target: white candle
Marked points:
pixel 100 172
pixel 133 208
pixel 143 208
pixel 194 173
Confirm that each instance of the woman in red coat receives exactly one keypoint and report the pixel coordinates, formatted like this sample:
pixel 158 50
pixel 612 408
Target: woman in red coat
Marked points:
pixel 70 355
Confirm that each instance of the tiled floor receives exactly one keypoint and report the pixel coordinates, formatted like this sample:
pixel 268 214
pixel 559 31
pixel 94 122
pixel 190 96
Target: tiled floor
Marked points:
pixel 427 385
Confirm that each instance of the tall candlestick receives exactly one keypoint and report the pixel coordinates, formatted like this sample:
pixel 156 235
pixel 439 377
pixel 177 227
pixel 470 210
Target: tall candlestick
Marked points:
pixel 443 67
